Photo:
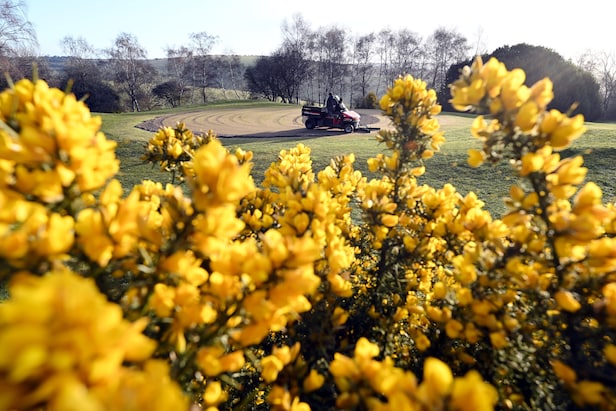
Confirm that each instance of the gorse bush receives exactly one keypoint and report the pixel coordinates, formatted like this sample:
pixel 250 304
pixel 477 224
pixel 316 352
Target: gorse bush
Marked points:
pixel 317 289
pixel 370 100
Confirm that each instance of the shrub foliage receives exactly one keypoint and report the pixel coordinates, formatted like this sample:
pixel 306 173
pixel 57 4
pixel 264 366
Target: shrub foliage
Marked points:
pixel 317 289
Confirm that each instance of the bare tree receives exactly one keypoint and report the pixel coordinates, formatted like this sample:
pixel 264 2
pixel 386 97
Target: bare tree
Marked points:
pixel 606 63
pixel 178 61
pixel 16 31
pixel 385 43
pixel 298 45
pixel 314 82
pixel 480 46
pixel 130 67
pixel 586 61
pixel 81 62
pixel 400 52
pixel 363 66
pixel 332 59
pixel 277 76
pixel 80 66
pixel 77 47
pixel 17 43
pixel 199 67
pixel 296 33
pixel 234 67
pixel 83 76
pixel 602 66
pixel 262 78
pixel 227 68
pixel 444 48
pixel 407 53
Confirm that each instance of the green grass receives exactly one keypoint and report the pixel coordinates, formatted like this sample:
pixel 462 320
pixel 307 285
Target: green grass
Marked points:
pixel 491 183
pixel 131 140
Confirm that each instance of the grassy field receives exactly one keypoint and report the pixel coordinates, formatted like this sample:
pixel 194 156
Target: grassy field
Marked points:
pixel 448 166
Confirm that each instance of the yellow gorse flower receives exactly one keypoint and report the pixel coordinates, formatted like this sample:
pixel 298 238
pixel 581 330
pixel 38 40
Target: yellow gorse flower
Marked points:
pixel 411 107
pixel 217 177
pixel 172 147
pixel 556 223
pixel 74 340
pixel 437 376
pixel 57 145
pixel 29 232
pixel 517 109
pixel 438 387
pixel 478 81
pixel 471 393
pixel 313 381
pixel 567 301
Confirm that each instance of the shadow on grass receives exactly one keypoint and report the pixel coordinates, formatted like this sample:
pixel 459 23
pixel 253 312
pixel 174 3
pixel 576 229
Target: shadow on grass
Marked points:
pixel 294 134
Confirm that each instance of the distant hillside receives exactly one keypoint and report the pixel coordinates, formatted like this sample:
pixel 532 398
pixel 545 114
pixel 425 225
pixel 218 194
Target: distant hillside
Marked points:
pixel 57 63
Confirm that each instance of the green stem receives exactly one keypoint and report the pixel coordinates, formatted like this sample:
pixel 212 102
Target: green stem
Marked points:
pixel 540 187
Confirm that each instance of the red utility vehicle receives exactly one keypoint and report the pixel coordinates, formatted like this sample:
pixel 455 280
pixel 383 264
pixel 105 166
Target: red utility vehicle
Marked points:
pixel 342 118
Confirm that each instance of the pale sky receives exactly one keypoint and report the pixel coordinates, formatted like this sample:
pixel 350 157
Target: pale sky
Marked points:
pixel 253 27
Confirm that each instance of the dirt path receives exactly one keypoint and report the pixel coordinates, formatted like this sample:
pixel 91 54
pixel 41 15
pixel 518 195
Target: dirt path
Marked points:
pixel 255 122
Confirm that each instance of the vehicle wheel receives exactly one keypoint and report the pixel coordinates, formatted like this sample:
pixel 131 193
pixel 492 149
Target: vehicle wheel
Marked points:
pixel 349 128
pixel 311 123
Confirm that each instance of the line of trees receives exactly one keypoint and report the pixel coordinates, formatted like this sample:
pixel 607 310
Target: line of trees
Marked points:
pixel 311 63
pixel 184 77
pixel 121 77
pixel 305 68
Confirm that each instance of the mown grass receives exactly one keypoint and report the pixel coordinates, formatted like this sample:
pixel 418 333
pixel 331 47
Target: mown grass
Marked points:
pixel 490 183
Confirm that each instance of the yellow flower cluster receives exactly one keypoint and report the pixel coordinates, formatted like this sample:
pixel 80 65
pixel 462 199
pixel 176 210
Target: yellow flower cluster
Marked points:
pixel 217 177
pixel 30 233
pixel 121 229
pixel 180 253
pixel 52 156
pixel 586 393
pixel 110 231
pixel 412 107
pixel 341 181
pixel 429 241
pixel 51 148
pixel 380 207
pixel 558 251
pixel 379 385
pixel 171 147
pixel 315 210
pixel 286 369
pixel 65 347
pixel 240 288
pixel 520 119
pixel 271 307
